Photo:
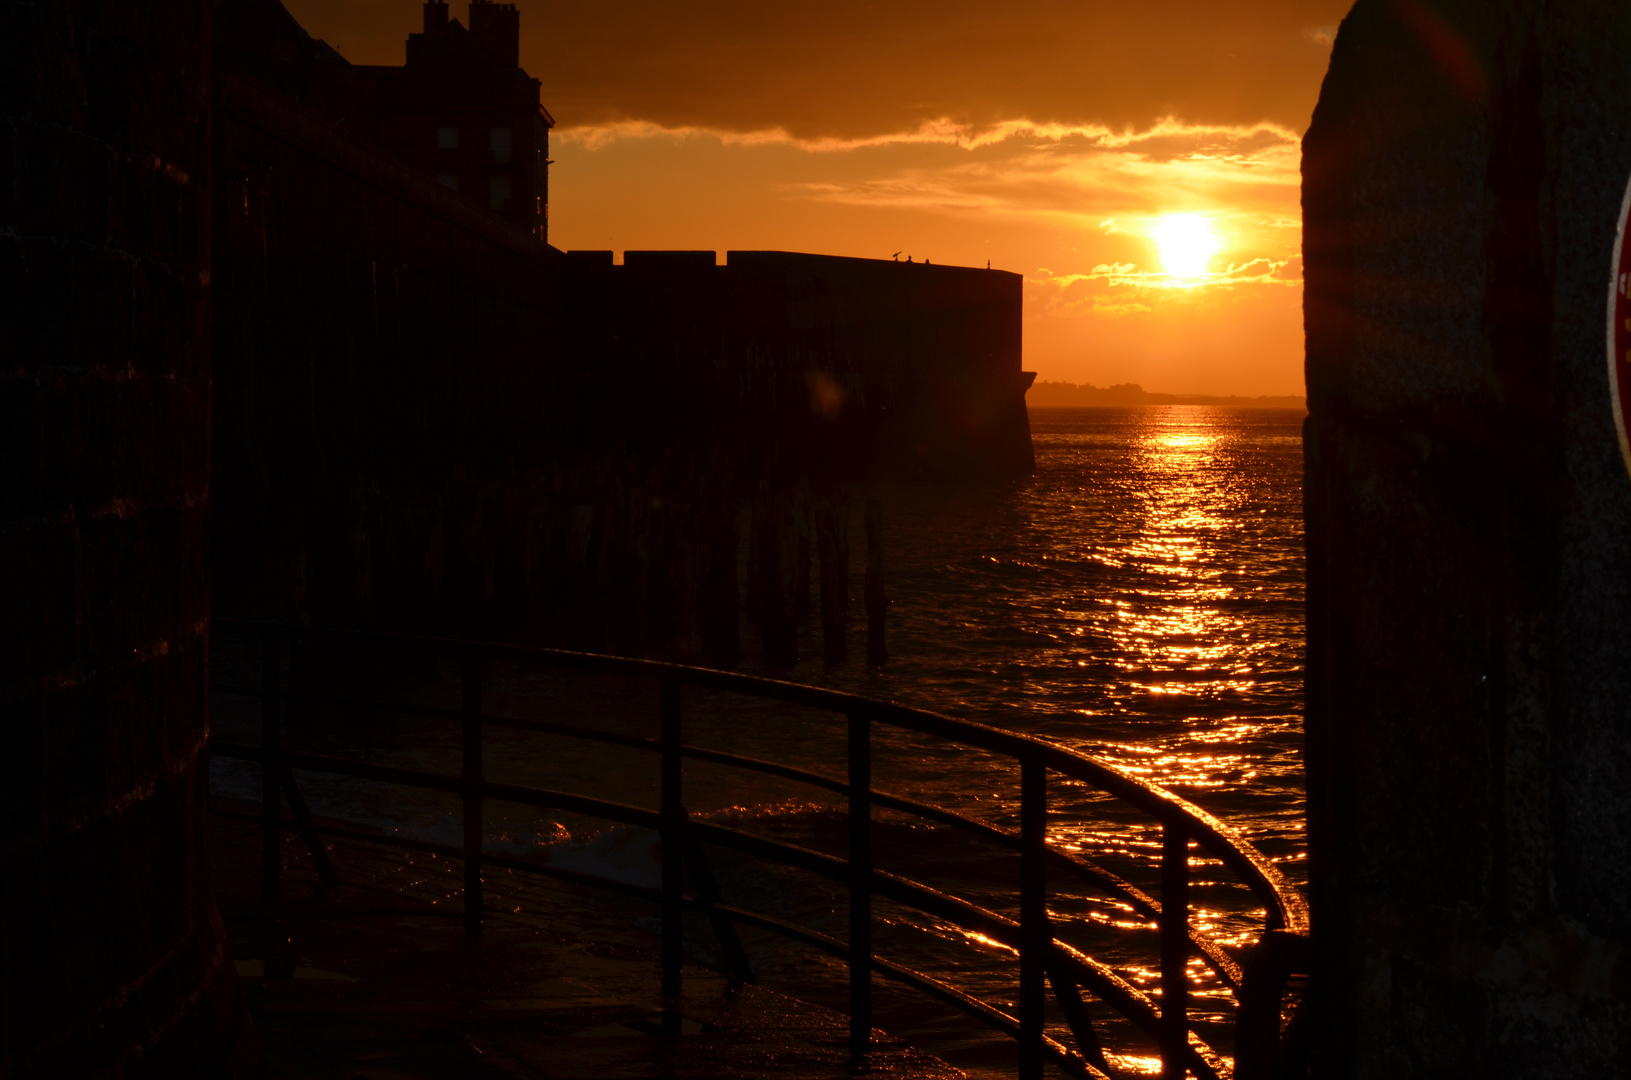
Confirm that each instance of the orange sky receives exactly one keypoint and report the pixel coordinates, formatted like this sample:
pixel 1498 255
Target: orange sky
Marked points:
pixel 1048 137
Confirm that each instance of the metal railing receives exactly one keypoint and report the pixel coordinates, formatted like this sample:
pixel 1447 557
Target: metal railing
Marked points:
pixel 1261 1027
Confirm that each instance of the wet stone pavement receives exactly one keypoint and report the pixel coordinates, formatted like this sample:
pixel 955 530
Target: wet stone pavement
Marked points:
pixel 373 981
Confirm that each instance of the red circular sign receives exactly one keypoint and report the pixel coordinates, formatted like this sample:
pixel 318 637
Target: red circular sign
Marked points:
pixel 1619 332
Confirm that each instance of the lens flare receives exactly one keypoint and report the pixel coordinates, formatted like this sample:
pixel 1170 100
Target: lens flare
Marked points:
pixel 1187 244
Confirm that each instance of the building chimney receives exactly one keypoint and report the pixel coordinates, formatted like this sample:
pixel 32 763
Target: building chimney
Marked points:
pixel 435 23
pixel 496 28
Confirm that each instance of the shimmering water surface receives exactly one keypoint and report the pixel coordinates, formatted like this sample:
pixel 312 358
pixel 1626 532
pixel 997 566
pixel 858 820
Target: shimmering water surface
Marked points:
pixel 1140 598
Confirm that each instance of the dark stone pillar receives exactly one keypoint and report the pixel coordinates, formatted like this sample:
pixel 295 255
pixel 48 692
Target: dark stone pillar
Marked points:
pixel 114 961
pixel 1469 543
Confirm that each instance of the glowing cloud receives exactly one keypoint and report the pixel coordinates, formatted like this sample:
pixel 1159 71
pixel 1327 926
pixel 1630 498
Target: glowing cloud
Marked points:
pixel 1083 200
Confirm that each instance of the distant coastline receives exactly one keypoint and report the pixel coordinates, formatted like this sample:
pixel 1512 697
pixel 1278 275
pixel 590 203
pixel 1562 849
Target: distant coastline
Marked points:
pixel 1064 393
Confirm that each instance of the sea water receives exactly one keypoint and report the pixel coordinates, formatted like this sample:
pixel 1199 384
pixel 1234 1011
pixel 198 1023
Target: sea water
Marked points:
pixel 1139 598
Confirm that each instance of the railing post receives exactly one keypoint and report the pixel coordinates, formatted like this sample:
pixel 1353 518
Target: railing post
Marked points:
pixel 672 823
pixel 1035 936
pixel 271 763
pixel 860 885
pixel 473 780
pixel 1174 950
pixel 1257 1020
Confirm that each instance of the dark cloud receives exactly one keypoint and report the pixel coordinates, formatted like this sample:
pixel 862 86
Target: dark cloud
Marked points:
pixel 856 69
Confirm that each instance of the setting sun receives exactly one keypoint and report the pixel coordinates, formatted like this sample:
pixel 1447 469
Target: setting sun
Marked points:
pixel 1187 244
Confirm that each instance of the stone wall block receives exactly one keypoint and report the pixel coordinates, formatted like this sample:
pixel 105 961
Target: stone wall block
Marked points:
pixel 110 418
pixel 76 766
pixel 39 610
pixel 1469 604
pixel 115 962
pixel 164 342
pixel 41 73
pixel 187 676
pixel 22 493
pixel 1586 110
pixel 147 851
pixel 100 317
pixel 128 607
pixel 1401 319
pixel 68 199
pixel 32 272
pixel 146 80
pixel 10 180
pixel 91 957
pixel 150 211
pixel 80 438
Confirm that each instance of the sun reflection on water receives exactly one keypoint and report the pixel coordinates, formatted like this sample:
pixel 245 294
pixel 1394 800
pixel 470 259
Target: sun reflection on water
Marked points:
pixel 1140 598
pixel 1184 633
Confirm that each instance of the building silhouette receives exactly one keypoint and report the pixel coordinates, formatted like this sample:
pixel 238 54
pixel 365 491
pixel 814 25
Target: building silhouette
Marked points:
pixel 462 109
pixel 428 417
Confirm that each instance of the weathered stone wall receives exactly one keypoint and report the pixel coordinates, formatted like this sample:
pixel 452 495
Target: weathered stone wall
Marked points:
pixel 112 957
pixel 1469 537
pixel 385 369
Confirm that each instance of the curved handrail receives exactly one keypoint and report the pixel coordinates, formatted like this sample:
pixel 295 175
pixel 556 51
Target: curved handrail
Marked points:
pixel 1286 907
pixel 1285 910
pixel 815 939
pixel 1111 884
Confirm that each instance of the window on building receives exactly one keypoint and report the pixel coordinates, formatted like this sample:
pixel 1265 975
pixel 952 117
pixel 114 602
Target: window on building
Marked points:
pixel 449 181
pixel 447 138
pixel 500 139
pixel 498 194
